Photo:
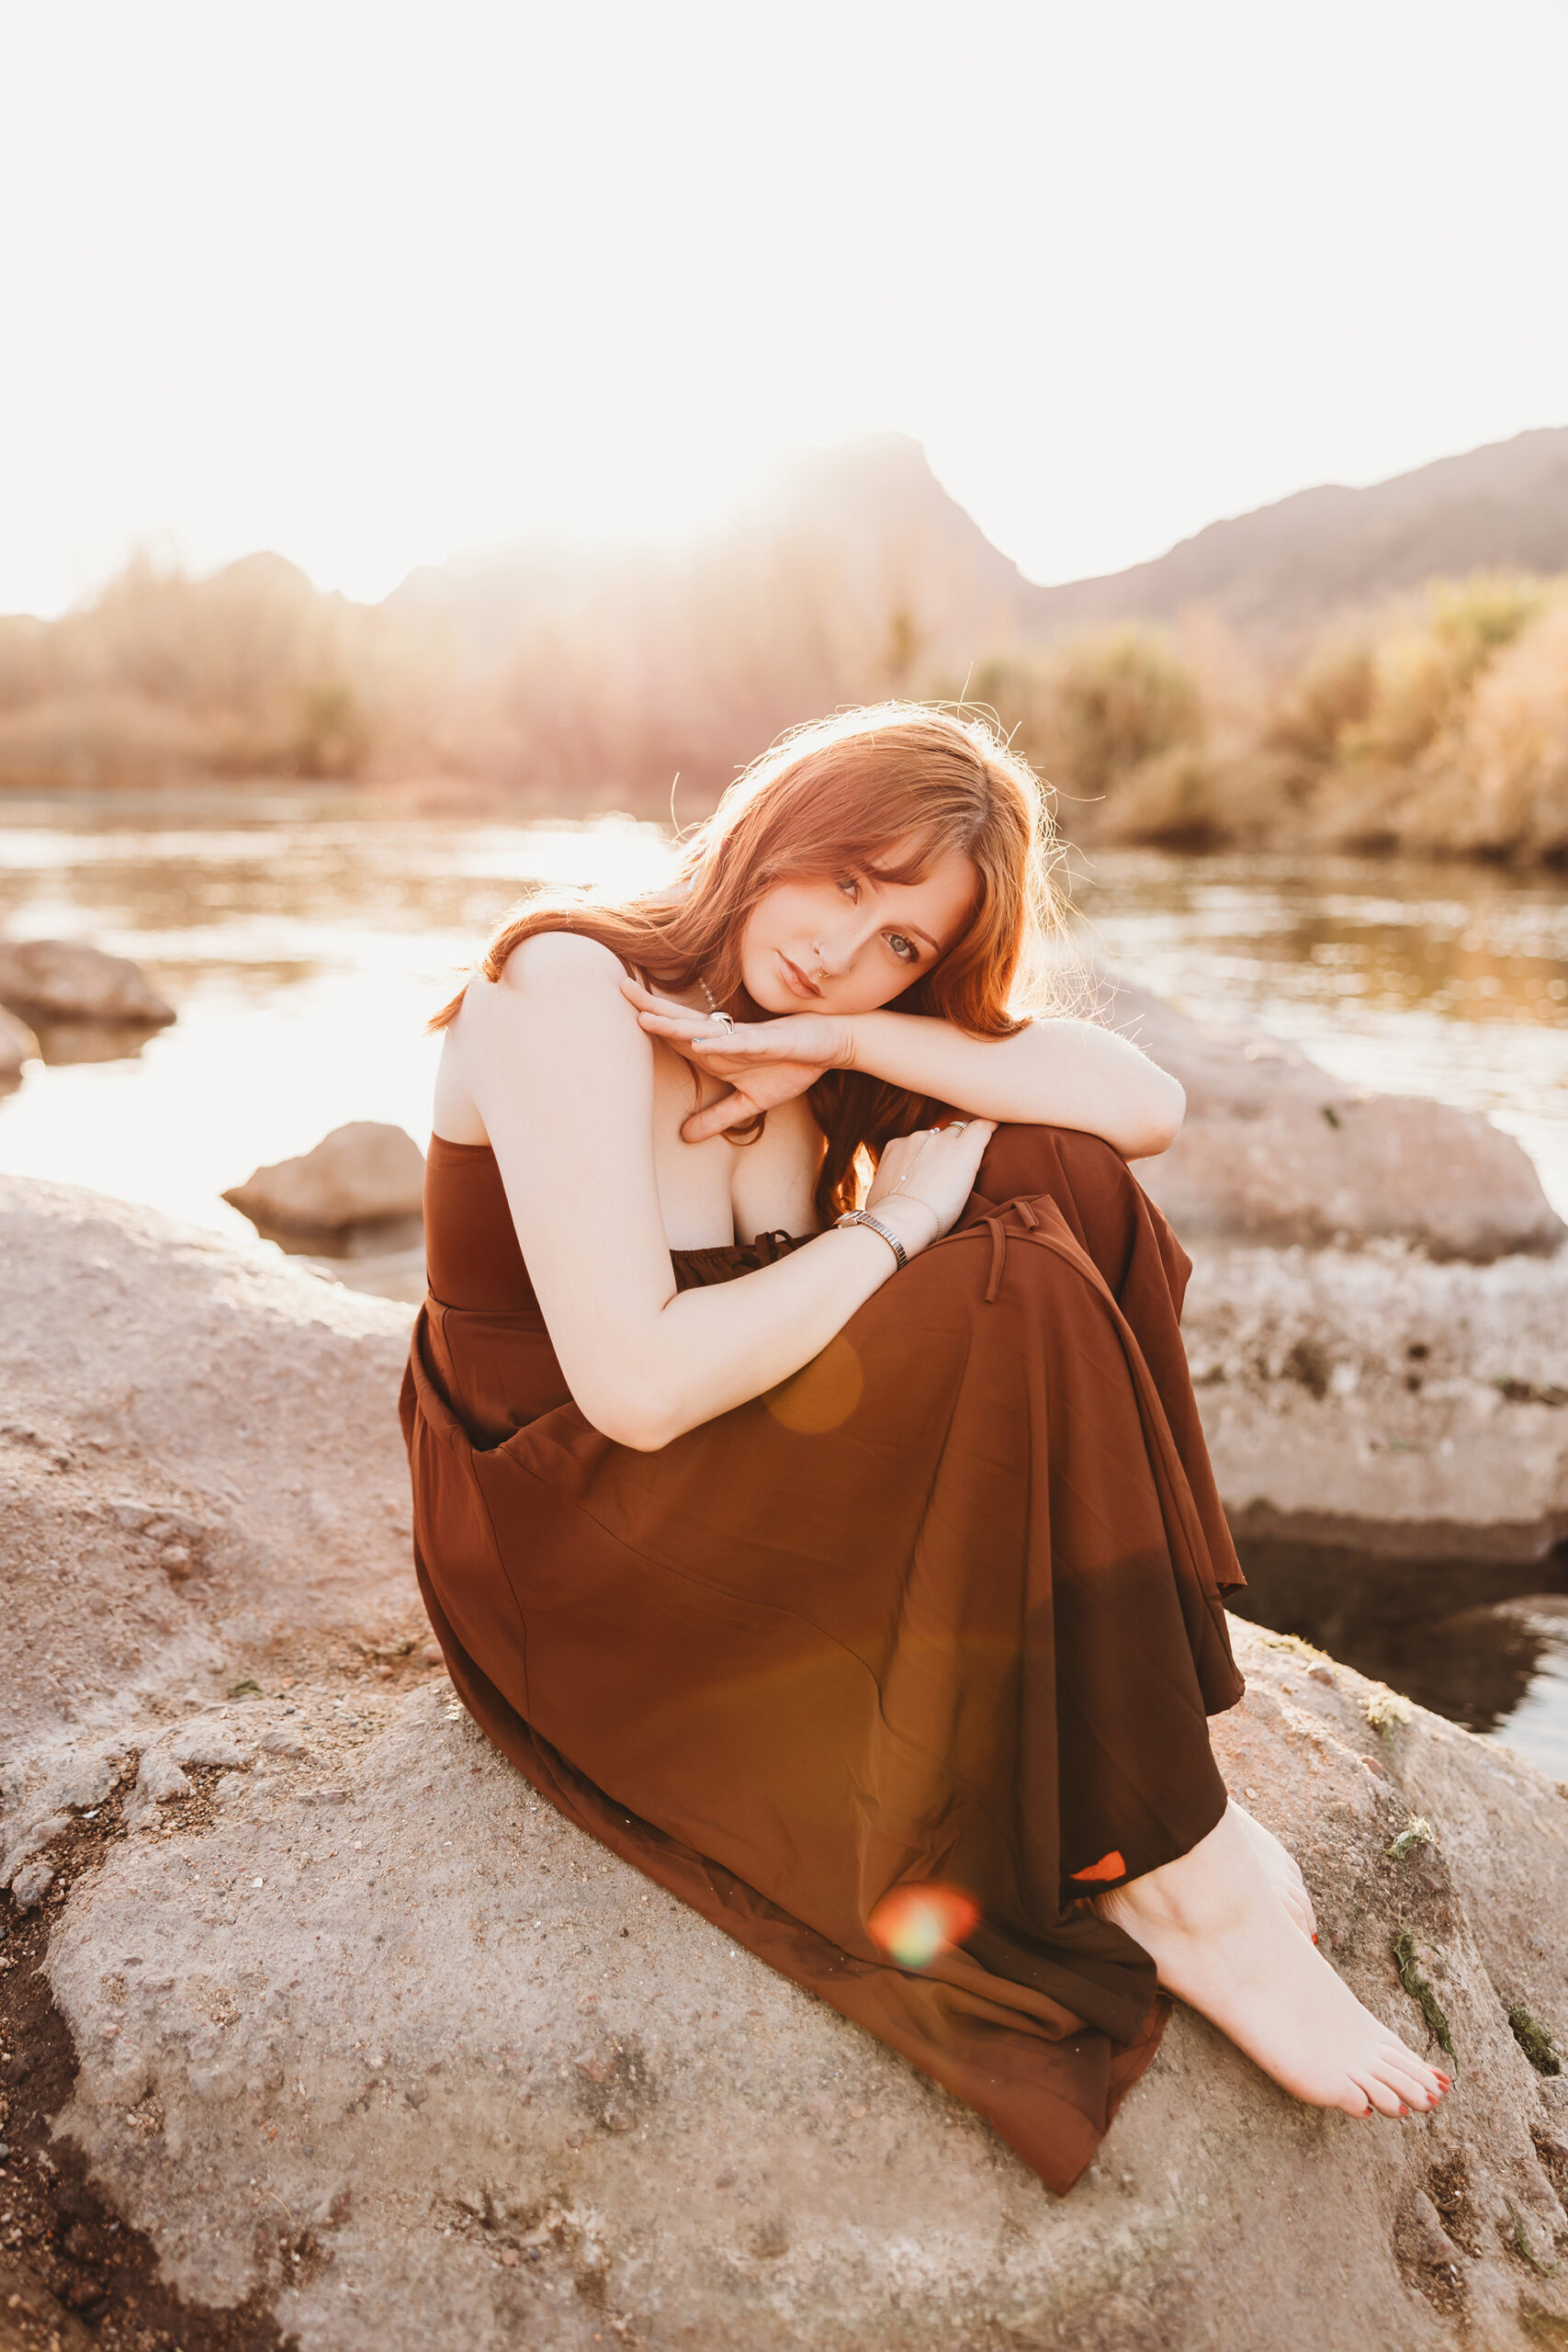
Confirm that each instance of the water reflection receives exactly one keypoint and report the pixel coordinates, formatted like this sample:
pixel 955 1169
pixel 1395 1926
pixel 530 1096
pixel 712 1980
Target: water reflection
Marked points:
pixel 62 1042
pixel 377 1237
pixel 1400 975
pixel 1484 1642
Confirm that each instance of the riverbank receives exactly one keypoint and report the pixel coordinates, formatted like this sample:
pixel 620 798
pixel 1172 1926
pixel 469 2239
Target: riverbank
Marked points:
pixel 1435 724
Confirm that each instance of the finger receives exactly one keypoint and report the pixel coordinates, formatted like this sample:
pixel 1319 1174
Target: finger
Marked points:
pixel 667 1019
pixel 732 1110
pixel 637 992
pixel 968 1141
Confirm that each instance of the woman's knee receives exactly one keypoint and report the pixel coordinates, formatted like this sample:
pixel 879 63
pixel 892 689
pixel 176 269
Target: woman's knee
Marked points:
pixel 1021 1161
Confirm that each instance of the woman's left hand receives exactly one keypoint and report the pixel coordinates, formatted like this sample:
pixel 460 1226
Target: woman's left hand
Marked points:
pixel 763 1062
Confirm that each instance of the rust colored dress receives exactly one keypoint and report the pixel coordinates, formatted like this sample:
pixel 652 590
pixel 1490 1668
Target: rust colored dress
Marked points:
pixel 945 1607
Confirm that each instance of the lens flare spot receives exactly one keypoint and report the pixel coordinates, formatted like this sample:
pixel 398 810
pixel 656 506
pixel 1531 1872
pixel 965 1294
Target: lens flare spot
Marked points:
pixel 915 1924
pixel 822 1395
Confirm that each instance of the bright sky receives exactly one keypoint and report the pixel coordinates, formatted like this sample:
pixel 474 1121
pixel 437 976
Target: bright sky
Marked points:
pixel 369 282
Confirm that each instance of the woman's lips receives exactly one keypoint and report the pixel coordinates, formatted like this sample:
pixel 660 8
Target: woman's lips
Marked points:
pixel 795 979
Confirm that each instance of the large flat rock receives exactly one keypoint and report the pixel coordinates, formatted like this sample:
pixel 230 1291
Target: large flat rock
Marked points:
pixel 361 2045
pixel 198 1449
pixel 371 2040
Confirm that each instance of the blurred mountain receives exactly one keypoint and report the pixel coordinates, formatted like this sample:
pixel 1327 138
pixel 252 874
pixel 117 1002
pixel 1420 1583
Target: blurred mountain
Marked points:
pixel 863 536
pixel 868 537
pixel 1284 570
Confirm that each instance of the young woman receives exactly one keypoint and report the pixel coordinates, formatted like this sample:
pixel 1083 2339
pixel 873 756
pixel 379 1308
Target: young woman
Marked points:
pixel 856 1576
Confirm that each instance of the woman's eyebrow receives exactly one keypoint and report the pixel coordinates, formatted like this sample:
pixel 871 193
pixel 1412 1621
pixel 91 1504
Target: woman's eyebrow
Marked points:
pixel 880 881
pixel 916 932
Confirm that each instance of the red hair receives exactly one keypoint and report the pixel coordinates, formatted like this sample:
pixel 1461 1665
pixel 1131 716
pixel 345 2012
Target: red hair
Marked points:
pixel 833 798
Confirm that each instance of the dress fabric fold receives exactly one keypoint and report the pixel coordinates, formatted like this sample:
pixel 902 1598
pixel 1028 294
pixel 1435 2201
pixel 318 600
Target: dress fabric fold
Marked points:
pixel 943 1610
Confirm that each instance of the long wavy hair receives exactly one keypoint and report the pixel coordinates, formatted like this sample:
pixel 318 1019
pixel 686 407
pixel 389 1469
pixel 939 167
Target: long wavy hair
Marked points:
pixel 831 799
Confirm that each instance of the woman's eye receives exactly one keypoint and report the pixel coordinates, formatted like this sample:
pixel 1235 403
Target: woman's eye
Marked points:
pixel 905 949
pixel 849 886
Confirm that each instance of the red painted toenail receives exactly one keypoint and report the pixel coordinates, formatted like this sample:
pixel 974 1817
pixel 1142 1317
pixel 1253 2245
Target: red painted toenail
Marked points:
pixel 1109 1866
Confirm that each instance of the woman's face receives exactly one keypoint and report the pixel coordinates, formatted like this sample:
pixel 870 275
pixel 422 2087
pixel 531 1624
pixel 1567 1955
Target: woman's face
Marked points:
pixel 849 943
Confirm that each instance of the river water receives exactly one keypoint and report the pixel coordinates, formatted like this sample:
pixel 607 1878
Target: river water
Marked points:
pixel 304 938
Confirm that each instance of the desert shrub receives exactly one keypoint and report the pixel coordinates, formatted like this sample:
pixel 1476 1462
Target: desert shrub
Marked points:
pixel 26 661
pixel 1424 669
pixel 1202 797
pixel 1089 712
pixel 85 740
pixel 1170 799
pixel 1319 703
pixel 1512 751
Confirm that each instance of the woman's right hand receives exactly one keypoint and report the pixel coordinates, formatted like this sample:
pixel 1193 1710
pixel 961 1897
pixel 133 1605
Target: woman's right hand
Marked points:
pixel 926 1176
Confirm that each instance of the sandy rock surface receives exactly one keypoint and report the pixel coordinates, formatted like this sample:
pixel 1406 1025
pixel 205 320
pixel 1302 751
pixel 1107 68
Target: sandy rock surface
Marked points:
pixel 368 2039
pixel 1275 1150
pixel 1427 1403
pixel 364 1174
pixel 63 980
pixel 198 1450
pixel 317 2026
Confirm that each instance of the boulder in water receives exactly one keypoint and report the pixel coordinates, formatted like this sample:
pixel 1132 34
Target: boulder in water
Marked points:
pixel 63 980
pixel 1274 1150
pixel 363 1174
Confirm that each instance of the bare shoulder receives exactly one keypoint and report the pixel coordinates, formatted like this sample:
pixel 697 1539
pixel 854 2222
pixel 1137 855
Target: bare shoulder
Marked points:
pixel 558 980
pixel 558 962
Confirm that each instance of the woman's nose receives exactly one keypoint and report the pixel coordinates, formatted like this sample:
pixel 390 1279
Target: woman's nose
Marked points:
pixel 836 950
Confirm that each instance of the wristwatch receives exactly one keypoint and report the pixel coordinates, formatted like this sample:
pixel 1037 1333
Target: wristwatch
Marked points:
pixel 863 1216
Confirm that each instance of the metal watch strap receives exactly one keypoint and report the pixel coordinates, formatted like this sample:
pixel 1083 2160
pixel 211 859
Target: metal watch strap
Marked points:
pixel 861 1216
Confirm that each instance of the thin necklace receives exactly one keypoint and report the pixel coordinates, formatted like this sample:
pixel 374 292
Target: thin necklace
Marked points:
pixel 708 993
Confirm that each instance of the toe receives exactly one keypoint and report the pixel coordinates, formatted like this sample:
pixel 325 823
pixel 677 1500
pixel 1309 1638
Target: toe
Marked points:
pixel 1300 1909
pixel 1405 2084
pixel 1430 2078
pixel 1380 2094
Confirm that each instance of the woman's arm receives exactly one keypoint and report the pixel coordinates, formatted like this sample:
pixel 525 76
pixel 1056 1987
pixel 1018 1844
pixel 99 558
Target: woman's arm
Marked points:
pixel 561 1076
pixel 1052 1074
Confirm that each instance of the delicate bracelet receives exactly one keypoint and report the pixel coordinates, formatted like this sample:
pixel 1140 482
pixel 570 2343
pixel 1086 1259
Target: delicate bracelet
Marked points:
pixel 861 1216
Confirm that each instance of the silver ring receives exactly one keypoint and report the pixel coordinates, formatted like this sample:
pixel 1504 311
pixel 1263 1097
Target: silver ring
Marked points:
pixel 723 1020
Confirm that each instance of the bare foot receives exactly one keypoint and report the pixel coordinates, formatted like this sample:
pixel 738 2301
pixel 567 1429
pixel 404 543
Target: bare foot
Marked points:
pixel 1279 1869
pixel 1221 1940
